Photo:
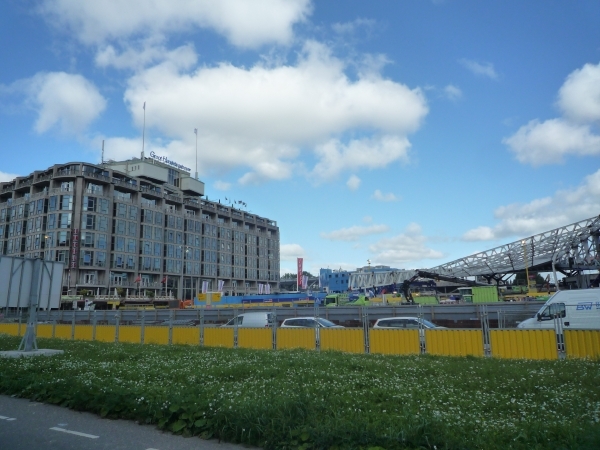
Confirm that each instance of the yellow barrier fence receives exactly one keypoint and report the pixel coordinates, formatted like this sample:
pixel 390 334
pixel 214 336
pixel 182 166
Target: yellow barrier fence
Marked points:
pixel 218 337
pixel 258 338
pixel 582 343
pixel 156 335
pixel 394 342
pixel 529 344
pixel 343 339
pixel 288 338
pixel 130 333
pixel 454 342
pixel 10 328
pixel 105 333
pixel 186 335
pixel 44 330
pixel 84 332
pixel 63 331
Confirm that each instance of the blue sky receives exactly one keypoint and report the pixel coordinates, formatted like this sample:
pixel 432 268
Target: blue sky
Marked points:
pixel 406 133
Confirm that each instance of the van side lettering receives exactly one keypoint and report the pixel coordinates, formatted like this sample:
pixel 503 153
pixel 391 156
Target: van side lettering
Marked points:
pixel 584 306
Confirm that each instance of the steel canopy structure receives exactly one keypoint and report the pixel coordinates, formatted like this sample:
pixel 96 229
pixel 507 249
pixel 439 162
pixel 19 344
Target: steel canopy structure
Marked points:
pixel 570 250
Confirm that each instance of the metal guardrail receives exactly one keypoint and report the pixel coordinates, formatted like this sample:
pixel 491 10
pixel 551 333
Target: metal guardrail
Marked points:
pixel 499 315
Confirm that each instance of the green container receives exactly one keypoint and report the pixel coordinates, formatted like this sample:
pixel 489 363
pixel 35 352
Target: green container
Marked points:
pixel 485 294
pixel 425 299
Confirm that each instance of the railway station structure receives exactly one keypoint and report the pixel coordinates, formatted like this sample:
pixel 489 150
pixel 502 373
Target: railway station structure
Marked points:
pixel 572 250
pixel 141 225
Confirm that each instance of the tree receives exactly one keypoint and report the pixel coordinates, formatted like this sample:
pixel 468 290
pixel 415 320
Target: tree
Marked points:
pixel 292 276
pixel 521 280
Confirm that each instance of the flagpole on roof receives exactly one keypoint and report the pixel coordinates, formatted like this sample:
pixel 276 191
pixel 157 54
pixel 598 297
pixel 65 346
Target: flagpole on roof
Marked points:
pixel 196 133
pixel 144 131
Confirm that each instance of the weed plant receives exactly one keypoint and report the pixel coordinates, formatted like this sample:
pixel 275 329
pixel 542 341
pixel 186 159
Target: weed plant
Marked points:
pixel 327 400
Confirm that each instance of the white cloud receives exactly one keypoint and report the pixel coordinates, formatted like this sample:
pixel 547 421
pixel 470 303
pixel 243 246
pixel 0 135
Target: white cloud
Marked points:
pixel 381 197
pixel 353 182
pixel 479 234
pixel 138 56
pixel 354 233
pixel 289 252
pixel 548 142
pixel 486 69
pixel 353 26
pixel 377 152
pixel 67 101
pixel 564 207
pixel 261 117
pixel 7 176
pixel 409 246
pixel 452 92
pixel 222 185
pixel 242 23
pixel 579 96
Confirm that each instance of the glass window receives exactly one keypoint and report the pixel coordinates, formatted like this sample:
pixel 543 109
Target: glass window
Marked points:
pixel 64 220
pixel 103 205
pixel 119 244
pixel 52 202
pixel 87 239
pixel 89 204
pixel 103 223
pixel 66 202
pixel 101 259
pixel 101 241
pixel 121 210
pixel 552 311
pixel 133 213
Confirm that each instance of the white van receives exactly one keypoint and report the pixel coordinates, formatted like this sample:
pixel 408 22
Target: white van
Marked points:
pixel 578 309
pixel 252 320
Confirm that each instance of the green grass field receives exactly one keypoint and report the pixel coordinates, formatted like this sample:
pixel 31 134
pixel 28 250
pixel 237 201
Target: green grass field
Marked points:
pixel 328 400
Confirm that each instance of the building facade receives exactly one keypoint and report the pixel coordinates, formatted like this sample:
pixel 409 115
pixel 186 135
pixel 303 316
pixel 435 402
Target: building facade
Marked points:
pixel 141 225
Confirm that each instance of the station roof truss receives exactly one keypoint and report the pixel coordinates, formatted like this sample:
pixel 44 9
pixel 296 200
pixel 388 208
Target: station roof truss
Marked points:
pixel 569 250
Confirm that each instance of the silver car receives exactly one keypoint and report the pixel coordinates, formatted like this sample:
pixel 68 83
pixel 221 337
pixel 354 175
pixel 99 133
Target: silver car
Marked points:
pixel 404 323
pixel 308 322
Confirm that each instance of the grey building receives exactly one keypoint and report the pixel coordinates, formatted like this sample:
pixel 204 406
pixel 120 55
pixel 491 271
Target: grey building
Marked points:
pixel 142 225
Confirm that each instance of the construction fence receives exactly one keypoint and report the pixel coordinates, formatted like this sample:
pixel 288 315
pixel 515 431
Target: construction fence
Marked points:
pixel 497 343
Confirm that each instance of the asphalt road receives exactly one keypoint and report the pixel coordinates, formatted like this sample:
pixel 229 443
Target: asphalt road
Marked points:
pixel 26 425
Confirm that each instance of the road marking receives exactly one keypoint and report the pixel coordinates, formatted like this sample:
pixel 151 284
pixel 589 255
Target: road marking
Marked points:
pixel 76 433
pixel 7 418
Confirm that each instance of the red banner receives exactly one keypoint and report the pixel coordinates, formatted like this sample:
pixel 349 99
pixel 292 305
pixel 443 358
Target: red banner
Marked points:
pixel 299 275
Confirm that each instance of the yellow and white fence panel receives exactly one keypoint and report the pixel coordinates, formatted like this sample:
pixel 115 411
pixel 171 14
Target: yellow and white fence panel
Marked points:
pixel 44 330
pixel 582 343
pixel 186 335
pixel 130 333
pixel 394 342
pixel 218 337
pixel 156 335
pixel 499 343
pixel 84 332
pixel 288 338
pixel 524 344
pixel 448 342
pixel 349 340
pixel 257 338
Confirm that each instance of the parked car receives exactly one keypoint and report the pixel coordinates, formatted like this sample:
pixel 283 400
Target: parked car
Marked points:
pixel 404 323
pixel 308 322
pixel 252 320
